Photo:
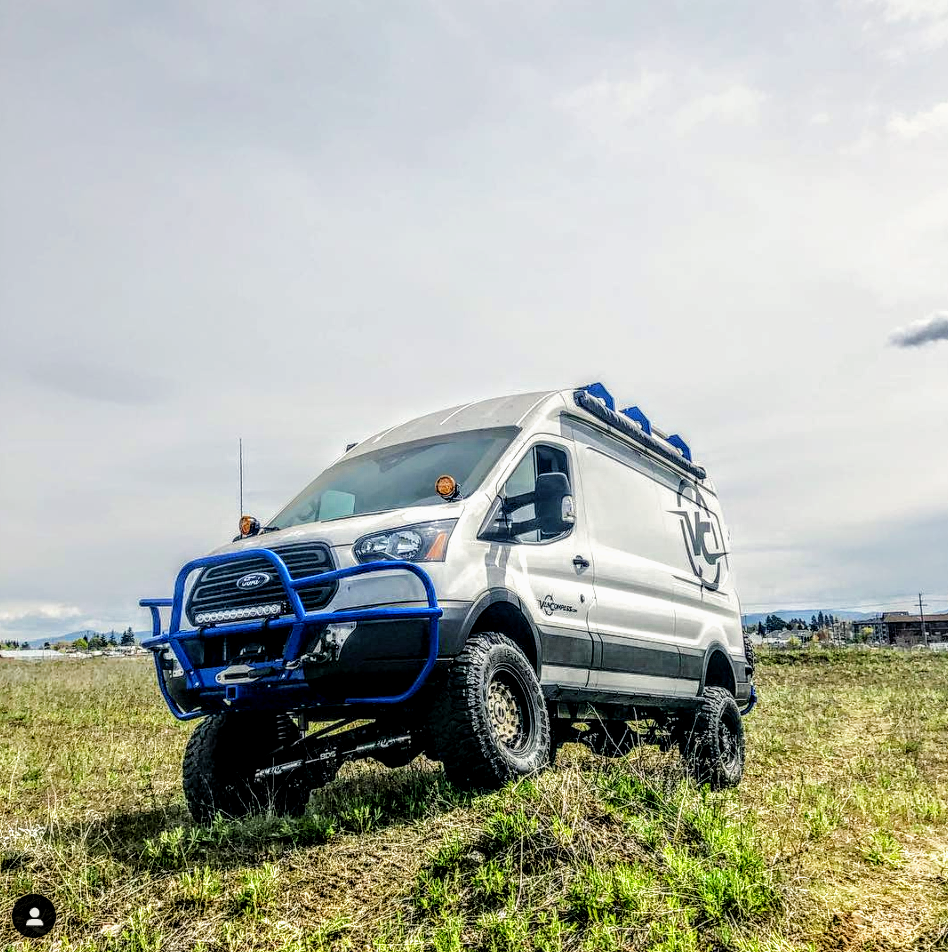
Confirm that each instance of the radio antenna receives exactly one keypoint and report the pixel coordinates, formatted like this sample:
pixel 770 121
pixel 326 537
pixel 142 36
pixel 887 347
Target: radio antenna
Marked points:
pixel 240 476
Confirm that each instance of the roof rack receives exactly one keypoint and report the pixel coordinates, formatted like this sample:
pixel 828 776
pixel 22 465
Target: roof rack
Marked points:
pixel 594 398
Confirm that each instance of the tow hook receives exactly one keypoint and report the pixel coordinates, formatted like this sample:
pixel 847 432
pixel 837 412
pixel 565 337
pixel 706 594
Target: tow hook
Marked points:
pixel 327 647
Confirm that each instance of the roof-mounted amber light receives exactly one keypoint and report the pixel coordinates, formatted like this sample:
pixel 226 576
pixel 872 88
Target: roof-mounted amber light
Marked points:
pixel 447 487
pixel 249 526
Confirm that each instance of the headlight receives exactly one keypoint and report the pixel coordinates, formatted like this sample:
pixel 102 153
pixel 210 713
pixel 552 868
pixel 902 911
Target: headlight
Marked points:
pixel 424 543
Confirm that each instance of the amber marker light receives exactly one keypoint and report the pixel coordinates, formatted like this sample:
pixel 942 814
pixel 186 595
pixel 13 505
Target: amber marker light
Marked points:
pixel 249 526
pixel 447 487
pixel 436 552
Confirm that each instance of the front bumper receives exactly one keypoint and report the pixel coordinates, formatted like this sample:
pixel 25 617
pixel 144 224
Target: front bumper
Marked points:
pixel 192 690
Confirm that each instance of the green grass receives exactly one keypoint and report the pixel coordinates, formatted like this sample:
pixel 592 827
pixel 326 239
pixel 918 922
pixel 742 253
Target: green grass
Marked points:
pixel 837 838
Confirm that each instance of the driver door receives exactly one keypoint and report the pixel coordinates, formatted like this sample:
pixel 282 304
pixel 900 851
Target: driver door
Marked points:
pixel 553 574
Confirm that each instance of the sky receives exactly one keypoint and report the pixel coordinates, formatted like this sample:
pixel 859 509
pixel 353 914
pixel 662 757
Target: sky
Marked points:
pixel 301 223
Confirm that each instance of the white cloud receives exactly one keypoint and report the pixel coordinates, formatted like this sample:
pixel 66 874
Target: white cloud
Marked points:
pixel 738 104
pixel 22 620
pixel 926 19
pixel 862 145
pixel 922 123
pixel 50 611
pixel 608 101
pixel 820 118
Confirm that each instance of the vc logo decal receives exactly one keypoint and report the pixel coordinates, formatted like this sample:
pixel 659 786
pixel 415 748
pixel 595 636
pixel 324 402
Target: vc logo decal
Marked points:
pixel 253 580
pixel 548 606
pixel 702 535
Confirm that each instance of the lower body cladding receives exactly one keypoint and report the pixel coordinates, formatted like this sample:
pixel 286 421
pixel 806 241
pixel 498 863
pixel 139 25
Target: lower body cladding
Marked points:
pixel 635 670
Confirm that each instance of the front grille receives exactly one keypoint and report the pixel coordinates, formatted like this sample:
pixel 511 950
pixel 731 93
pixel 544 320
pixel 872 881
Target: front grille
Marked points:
pixel 216 587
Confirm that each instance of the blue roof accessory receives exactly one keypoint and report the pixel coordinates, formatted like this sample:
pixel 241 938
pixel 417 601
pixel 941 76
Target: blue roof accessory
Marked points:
pixel 598 391
pixel 595 399
pixel 634 413
pixel 680 445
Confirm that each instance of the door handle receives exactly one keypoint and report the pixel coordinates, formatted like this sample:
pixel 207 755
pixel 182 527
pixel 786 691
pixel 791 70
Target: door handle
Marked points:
pixel 580 562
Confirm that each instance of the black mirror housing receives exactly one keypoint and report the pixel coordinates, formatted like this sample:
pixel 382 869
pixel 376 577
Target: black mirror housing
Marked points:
pixel 553 503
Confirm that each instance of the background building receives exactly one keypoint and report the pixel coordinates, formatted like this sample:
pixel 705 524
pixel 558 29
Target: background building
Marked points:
pixel 905 629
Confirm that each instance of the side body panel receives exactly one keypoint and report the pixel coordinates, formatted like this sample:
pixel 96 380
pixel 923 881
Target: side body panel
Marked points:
pixel 555 592
pixel 663 594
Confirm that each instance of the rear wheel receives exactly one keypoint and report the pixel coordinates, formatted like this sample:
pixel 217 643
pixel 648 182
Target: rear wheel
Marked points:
pixel 490 723
pixel 750 654
pixel 713 749
pixel 224 753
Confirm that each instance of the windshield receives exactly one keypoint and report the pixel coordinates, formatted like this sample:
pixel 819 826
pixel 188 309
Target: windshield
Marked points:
pixel 397 476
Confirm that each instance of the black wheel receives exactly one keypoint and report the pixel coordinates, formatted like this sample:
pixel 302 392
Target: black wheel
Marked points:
pixel 220 761
pixel 490 723
pixel 713 749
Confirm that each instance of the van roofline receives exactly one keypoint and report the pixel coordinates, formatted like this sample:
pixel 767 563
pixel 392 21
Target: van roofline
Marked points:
pixel 592 404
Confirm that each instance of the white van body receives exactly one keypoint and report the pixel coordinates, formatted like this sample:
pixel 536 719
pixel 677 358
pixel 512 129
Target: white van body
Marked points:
pixel 635 603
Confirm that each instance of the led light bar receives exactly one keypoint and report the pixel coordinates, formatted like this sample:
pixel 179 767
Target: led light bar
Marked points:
pixel 236 614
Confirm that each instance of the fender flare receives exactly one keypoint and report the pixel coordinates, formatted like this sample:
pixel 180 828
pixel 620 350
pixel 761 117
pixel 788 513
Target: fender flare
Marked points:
pixel 716 645
pixel 492 597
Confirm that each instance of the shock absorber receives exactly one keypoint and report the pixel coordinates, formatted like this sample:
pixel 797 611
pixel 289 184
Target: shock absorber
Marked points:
pixel 286 729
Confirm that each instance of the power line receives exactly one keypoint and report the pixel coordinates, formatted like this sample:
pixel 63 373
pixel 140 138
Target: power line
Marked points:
pixel 847 606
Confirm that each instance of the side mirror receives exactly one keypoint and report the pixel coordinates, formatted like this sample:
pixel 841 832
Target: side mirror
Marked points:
pixel 553 503
pixel 553 508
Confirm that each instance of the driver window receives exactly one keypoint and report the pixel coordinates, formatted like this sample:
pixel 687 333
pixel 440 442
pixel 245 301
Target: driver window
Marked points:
pixel 540 459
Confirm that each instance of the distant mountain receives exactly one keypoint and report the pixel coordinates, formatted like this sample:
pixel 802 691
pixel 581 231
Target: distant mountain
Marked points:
pixel 76 635
pixel 805 613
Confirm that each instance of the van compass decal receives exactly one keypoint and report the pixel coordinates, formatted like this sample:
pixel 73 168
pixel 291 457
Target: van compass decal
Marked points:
pixel 253 580
pixel 702 535
pixel 548 606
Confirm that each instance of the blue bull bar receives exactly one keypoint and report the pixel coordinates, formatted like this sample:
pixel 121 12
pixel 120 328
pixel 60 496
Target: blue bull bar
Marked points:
pixel 298 622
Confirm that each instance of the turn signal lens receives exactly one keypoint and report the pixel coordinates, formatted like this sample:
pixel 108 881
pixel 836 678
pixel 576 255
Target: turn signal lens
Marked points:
pixel 438 547
pixel 447 487
pixel 249 526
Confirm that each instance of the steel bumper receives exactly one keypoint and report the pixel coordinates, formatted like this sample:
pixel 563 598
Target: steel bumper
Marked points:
pixel 279 682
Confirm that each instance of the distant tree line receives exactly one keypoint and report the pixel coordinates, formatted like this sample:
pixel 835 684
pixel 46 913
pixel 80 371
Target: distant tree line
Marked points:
pixel 96 641
pixel 91 641
pixel 774 623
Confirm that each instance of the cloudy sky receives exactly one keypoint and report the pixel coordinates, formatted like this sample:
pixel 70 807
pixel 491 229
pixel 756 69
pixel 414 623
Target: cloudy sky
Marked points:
pixel 299 223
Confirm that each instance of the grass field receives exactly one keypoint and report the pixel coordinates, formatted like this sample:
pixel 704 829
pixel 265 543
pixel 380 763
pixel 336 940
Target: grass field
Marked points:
pixel 836 840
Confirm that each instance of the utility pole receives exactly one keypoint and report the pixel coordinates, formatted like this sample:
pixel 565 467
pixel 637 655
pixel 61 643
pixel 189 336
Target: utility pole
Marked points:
pixel 921 615
pixel 240 477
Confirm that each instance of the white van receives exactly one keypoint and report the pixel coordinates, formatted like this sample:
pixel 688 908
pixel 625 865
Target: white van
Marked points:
pixel 484 583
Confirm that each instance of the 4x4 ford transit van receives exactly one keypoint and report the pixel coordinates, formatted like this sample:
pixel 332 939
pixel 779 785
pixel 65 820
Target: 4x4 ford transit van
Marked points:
pixel 481 584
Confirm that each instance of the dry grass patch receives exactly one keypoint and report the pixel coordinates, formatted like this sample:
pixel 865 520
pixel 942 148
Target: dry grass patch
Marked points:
pixel 837 839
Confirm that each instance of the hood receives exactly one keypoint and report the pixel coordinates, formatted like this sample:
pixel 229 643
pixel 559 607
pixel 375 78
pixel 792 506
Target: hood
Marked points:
pixel 345 532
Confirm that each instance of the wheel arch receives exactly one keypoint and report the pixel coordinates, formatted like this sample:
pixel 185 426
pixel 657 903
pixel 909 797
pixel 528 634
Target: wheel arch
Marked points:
pixel 718 669
pixel 502 611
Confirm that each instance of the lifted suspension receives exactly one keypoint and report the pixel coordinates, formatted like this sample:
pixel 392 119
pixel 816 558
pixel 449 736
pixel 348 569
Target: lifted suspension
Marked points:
pixel 329 751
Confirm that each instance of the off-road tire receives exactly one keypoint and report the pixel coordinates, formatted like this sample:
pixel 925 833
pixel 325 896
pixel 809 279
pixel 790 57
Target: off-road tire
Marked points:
pixel 713 749
pixel 750 654
pixel 490 674
pixel 221 757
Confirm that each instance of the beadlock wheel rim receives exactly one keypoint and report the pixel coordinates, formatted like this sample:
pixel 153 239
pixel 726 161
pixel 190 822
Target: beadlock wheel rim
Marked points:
pixel 506 712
